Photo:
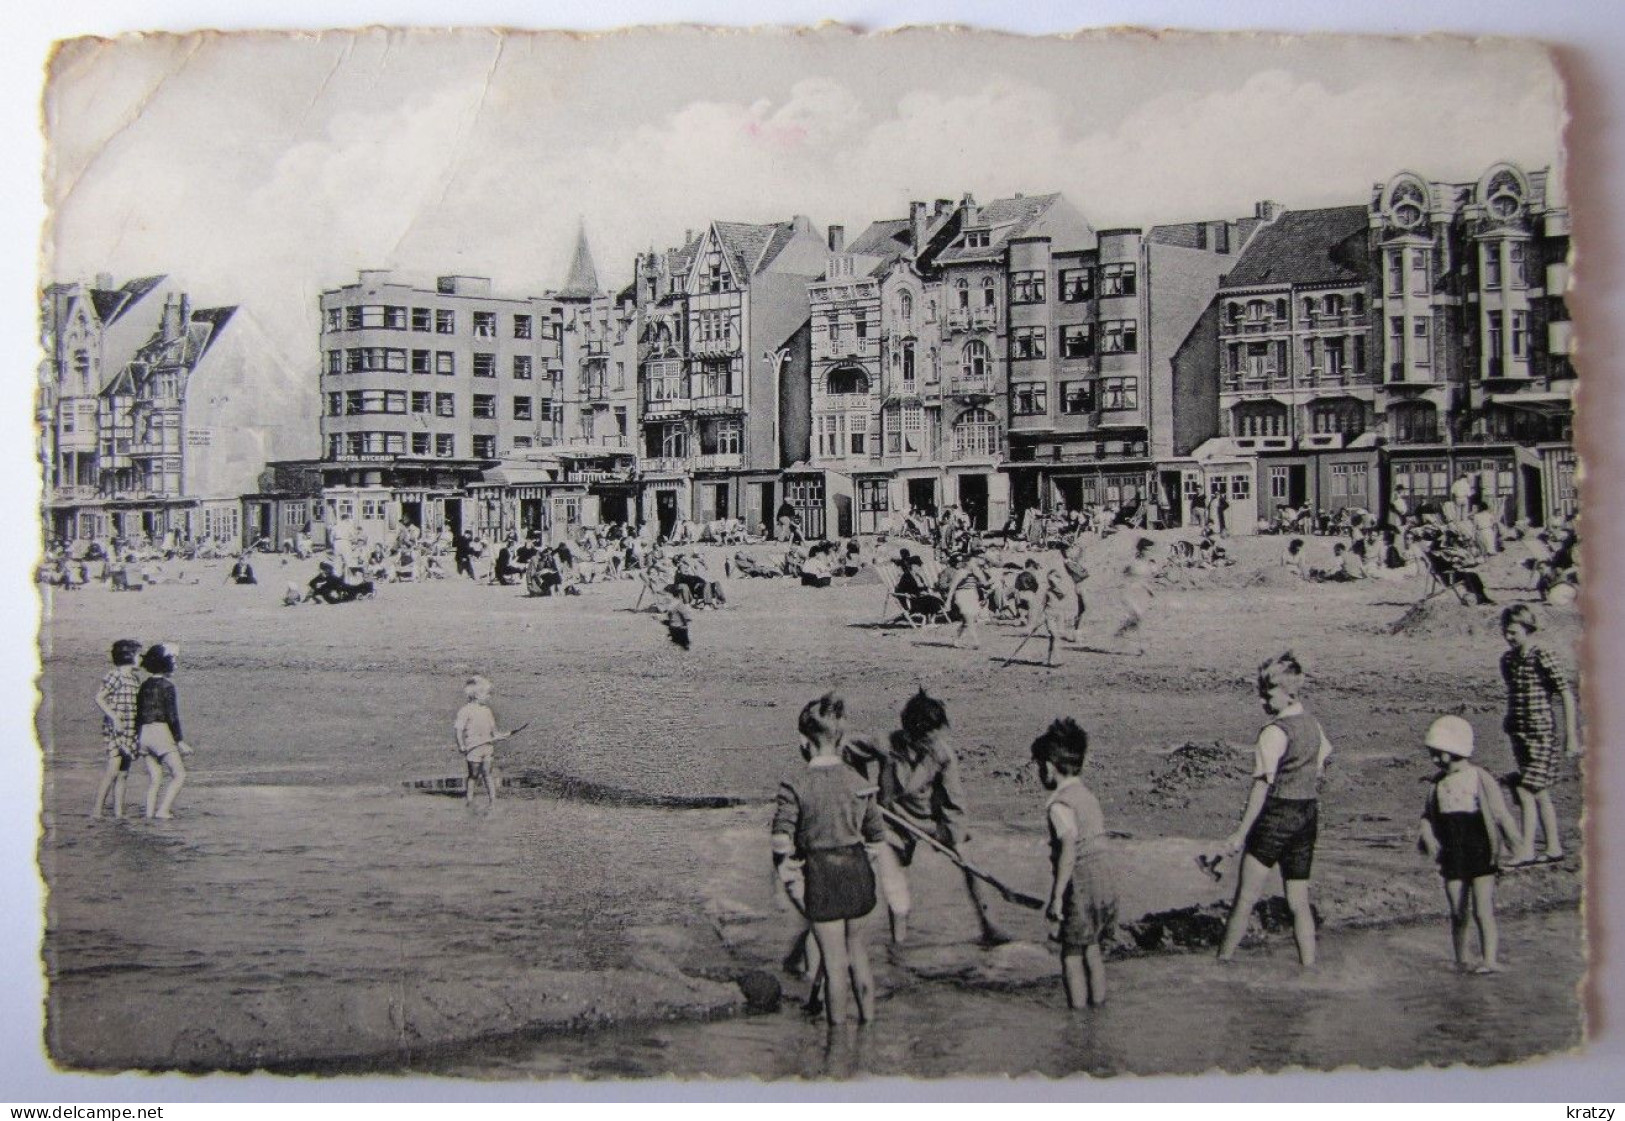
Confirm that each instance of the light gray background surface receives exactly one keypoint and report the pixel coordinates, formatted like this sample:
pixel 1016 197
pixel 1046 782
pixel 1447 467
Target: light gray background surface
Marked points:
pixel 1590 37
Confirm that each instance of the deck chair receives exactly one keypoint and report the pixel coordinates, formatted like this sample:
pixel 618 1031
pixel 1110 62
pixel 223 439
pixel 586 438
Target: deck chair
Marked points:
pixel 917 609
pixel 1442 575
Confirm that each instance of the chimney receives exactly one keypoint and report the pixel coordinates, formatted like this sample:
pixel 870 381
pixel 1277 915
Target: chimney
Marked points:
pixel 837 238
pixel 968 203
pixel 943 206
pixel 1267 210
pixel 688 235
pixel 371 279
pixel 104 281
pixel 169 325
pixel 801 224
pixel 916 225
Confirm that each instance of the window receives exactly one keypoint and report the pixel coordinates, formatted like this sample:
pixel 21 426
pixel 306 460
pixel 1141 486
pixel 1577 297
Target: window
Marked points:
pixel 962 293
pixel 445 362
pixel 352 360
pixel 485 324
pixel 420 319
pixel 1119 336
pixel 858 432
pixel 1027 287
pixel 383 443
pixel 1421 326
pixel 357 359
pixel 714 273
pixel 521 367
pixel 620 420
pixel 485 406
pixel 1256 421
pixel 420 443
pixel 422 402
pixel 335 361
pixel 1077 341
pixel 1118 394
pixel 1309 307
pixel 620 375
pixel 905 310
pixel 862 326
pixel 352 318
pixel 1278 482
pixel 1396 339
pixel 485 365
pixel 1347 417
pixel 1520 334
pixel 485 447
pixel 1359 354
pixel 847 380
pixel 908 361
pixel 1493 346
pixel 335 407
pixel 335 319
pixel 586 424
pixel 1077 285
pixel 359 401
pixel 1031 397
pixel 445 404
pixel 674 441
pixel 445 322
pixel 832 435
pixel 1117 280
pixel 521 326
pixel 1334 358
pixel 977 239
pixel 420 362
pixel 522 442
pixel 989 296
pixel 974 366
pixel 976 432
pixel 1357 304
pixel 913 428
pixel 1027 342
pixel 522 408
pixel 1396 271
pixel 1077 398
pixel 1518 273
pixel 1420 280
pixel 444 445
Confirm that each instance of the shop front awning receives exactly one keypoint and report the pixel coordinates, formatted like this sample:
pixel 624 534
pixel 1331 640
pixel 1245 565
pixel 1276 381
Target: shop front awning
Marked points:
pixel 1546 404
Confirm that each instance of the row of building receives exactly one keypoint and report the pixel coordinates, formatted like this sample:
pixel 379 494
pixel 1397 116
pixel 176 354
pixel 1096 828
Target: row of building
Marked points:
pixel 1002 357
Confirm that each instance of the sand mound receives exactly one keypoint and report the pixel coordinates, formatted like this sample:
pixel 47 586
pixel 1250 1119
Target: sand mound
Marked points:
pixel 1194 766
pixel 1445 616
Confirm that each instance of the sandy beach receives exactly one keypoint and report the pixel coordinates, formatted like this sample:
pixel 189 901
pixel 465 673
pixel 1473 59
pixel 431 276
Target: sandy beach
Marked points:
pixel 309 909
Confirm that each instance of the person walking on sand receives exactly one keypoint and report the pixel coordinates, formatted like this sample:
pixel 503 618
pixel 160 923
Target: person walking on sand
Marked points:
pixel 826 828
pixel 965 591
pixel 1082 897
pixel 1281 820
pixel 1137 593
pixel 920 783
pixel 1533 678
pixel 117 700
pixel 476 731
pixel 158 731
pixel 1461 822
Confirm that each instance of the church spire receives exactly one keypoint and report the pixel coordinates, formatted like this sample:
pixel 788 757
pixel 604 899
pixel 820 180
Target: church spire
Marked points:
pixel 582 280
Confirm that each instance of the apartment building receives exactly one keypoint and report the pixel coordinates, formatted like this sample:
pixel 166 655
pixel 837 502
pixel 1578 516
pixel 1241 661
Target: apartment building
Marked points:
pixel 424 389
pixel 723 366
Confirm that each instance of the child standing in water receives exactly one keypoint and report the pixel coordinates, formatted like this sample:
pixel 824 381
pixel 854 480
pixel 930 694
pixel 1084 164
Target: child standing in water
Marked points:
pixel 158 731
pixel 117 700
pixel 825 825
pixel 1281 821
pixel 1533 678
pixel 1464 816
pixel 1082 898
pixel 476 732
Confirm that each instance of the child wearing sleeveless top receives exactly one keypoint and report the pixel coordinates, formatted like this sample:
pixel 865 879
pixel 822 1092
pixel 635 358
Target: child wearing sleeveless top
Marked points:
pixel 1082 896
pixel 1464 816
pixel 1281 820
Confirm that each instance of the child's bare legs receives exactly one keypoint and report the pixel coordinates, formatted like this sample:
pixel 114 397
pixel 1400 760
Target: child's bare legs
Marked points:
pixel 863 978
pixel 1458 899
pixel 112 780
pixel 1548 825
pixel 1249 886
pixel 1303 920
pixel 1074 979
pixel 177 779
pixel 1489 935
pixel 894 889
pixel 1094 965
pixel 488 772
pixel 831 938
pixel 155 779
pixel 1538 817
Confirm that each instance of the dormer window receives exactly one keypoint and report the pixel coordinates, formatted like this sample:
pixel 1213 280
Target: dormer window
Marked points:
pixel 714 275
pixel 977 239
pixel 1407 205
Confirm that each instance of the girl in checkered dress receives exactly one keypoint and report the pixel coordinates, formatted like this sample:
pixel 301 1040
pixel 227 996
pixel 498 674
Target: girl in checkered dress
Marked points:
pixel 116 698
pixel 1533 678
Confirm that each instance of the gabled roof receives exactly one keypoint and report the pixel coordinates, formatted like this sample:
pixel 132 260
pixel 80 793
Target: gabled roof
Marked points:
pixel 1008 218
pixel 887 238
pixel 747 244
pixel 110 304
pixel 1325 246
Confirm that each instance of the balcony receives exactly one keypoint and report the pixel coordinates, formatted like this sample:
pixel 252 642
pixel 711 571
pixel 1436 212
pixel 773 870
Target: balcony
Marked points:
pixel 719 402
pixel 1400 376
pixel 1255 385
pixel 970 387
pixel 595 391
pixel 847 344
pixel 1344 380
pixel 1344 321
pixel 664 464
pixel 972 319
pixel 719 461
pixel 1417 434
pixel 725 347
pixel 597 348
pixel 1253 327
pixel 666 406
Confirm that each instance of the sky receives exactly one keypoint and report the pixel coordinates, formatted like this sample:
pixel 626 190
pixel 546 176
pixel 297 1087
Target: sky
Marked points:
pixel 261 170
